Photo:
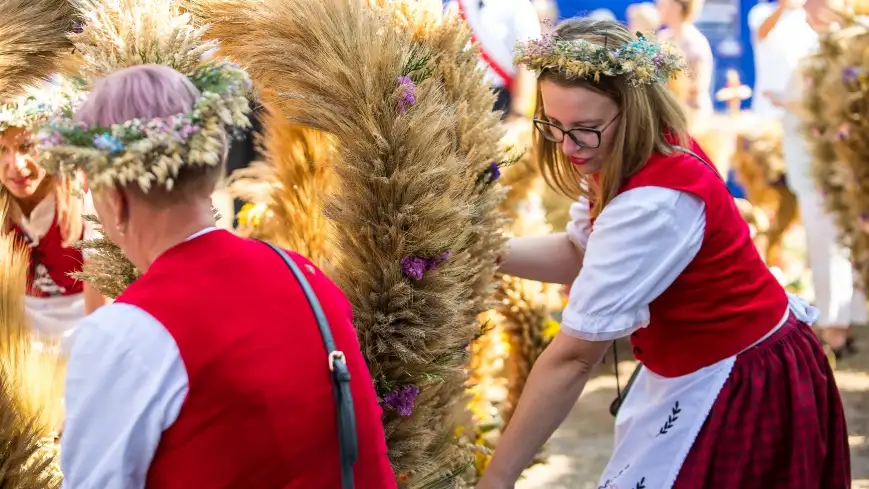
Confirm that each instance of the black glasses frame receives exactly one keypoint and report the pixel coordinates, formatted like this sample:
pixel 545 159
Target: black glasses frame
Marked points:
pixel 551 135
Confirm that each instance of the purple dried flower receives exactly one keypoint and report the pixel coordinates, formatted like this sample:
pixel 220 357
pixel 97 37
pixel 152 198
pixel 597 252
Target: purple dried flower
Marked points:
pixel 414 267
pixel 408 93
pixel 851 74
pixel 494 172
pixel 402 400
pixel 54 138
pixel 438 260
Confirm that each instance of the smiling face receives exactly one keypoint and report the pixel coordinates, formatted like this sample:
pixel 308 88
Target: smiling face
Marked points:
pixel 570 107
pixel 19 172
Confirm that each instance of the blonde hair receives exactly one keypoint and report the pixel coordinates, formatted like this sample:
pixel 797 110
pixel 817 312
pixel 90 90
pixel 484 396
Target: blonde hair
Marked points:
pixel 649 114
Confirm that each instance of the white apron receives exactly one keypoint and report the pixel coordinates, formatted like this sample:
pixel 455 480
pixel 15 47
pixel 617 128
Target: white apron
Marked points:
pixel 661 417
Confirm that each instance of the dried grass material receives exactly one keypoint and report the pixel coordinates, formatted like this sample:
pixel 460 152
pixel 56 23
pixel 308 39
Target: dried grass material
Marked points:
pixel 407 184
pixel 525 306
pixel 31 383
pixel 33 41
pixel 107 269
pixel 846 113
pixel 25 460
pixel 288 191
pixel 830 174
pixel 123 33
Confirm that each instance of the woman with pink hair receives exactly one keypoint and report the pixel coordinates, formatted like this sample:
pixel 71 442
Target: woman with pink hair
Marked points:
pixel 181 383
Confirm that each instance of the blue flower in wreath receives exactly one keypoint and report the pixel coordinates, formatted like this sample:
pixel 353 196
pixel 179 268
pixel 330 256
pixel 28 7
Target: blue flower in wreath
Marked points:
pixel 107 142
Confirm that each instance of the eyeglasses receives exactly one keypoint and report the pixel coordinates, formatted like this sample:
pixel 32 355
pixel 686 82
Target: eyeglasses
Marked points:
pixel 584 137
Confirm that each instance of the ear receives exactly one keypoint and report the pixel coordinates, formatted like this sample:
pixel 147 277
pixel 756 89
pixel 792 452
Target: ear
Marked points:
pixel 114 202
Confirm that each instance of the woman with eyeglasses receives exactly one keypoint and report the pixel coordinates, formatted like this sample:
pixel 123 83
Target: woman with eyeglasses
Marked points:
pixel 735 389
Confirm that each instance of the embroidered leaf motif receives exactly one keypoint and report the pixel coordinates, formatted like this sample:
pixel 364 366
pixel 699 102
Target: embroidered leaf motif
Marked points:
pixel 641 484
pixel 671 419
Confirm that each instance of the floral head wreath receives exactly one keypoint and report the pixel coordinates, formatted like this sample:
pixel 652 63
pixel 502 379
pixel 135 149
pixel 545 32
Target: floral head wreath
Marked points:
pixel 642 62
pixel 38 105
pixel 151 152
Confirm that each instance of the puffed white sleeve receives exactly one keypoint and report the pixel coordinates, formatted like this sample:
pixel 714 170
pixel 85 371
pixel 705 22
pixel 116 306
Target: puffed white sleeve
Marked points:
pixel 125 385
pixel 642 241
pixel 579 226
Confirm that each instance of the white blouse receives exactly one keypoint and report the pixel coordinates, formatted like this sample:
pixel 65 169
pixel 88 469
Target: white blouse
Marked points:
pixel 642 241
pixel 54 317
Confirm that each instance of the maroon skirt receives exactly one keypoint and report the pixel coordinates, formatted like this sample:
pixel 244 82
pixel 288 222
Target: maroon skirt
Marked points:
pixel 778 422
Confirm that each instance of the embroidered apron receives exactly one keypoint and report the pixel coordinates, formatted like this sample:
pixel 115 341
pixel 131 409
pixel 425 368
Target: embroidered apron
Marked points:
pixel 661 417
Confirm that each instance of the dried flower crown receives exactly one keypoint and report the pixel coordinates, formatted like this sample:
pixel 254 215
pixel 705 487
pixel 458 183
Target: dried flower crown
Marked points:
pixel 39 104
pixel 642 62
pixel 151 152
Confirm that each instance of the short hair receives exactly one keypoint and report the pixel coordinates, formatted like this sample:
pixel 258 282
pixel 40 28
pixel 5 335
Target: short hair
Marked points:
pixel 148 92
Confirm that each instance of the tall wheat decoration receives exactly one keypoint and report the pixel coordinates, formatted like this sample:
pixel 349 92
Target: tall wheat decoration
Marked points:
pixel 285 193
pixel 414 203
pixel 33 45
pixel 845 111
pixel 829 173
pixel 834 127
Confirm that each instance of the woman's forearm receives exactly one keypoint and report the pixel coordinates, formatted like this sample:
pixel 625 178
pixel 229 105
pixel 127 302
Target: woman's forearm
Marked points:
pixel 556 381
pixel 551 258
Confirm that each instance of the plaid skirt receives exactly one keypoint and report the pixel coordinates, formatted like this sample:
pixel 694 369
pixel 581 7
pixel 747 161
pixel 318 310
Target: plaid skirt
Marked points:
pixel 778 422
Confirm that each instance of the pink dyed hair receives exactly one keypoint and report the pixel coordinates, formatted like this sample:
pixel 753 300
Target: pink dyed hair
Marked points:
pixel 139 92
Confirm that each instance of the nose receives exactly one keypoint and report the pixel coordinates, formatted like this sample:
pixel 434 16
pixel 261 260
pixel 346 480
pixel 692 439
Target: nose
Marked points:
pixel 568 147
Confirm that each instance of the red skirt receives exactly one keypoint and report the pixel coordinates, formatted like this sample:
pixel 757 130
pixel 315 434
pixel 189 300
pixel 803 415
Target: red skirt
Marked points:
pixel 778 422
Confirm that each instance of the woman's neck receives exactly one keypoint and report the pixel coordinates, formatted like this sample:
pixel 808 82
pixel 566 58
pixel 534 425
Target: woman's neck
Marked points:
pixel 28 204
pixel 169 227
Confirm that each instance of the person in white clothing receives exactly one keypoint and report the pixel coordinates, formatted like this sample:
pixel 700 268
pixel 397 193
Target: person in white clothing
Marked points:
pixel 841 304
pixel 497 26
pixel 781 37
pixel 735 389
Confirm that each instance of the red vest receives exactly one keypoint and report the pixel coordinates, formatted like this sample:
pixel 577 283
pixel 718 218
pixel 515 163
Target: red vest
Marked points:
pixel 726 299
pixel 51 263
pixel 260 411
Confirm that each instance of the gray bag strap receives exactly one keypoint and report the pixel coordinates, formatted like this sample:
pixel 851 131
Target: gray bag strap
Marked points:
pixel 348 443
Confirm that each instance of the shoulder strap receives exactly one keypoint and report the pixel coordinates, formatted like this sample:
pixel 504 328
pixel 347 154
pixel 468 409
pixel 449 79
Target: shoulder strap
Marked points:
pixel 348 444
pixel 702 160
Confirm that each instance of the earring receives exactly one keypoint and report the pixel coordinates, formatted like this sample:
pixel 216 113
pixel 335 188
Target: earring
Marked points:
pixel 120 230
